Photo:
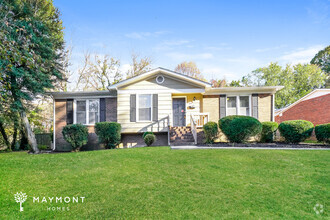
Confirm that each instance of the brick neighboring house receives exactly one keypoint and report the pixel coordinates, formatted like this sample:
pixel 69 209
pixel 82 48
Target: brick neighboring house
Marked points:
pixel 314 107
pixel 171 105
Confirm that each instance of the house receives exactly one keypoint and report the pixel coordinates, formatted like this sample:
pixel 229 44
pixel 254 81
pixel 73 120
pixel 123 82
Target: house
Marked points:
pixel 172 105
pixel 314 107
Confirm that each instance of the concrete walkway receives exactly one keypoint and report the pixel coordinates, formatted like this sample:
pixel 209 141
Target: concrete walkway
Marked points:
pixel 193 147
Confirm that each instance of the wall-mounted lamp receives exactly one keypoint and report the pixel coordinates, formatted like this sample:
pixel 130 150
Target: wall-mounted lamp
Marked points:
pixel 194 98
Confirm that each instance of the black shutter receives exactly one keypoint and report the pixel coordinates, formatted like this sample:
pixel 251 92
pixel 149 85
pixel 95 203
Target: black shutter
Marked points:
pixel 155 107
pixel 133 108
pixel 255 106
pixel 222 106
pixel 69 111
pixel 102 110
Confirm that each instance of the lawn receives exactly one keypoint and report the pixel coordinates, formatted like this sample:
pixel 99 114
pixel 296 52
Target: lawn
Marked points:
pixel 159 183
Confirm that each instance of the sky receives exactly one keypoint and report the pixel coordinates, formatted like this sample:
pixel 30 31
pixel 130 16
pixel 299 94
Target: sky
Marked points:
pixel 226 39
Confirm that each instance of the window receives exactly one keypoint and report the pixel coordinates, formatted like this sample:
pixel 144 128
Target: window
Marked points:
pixel 87 111
pixel 81 112
pixel 160 79
pixel 231 106
pixel 144 105
pixel 244 105
pixel 238 105
pixel 93 111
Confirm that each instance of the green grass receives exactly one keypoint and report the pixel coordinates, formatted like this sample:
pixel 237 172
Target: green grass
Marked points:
pixel 159 183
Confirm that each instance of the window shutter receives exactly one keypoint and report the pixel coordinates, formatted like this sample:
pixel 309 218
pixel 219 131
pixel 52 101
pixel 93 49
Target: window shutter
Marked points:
pixel 69 111
pixel 222 106
pixel 255 106
pixel 133 108
pixel 102 110
pixel 155 107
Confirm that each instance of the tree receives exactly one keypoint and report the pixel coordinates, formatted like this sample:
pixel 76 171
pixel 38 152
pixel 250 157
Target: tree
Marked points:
pixel 322 59
pixel 218 83
pixel 99 73
pixel 235 83
pixel 138 65
pixel 189 69
pixel 31 52
pixel 298 81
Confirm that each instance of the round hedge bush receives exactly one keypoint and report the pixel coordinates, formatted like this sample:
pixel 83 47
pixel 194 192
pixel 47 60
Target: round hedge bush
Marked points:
pixel 268 130
pixel 296 131
pixel 149 139
pixel 322 133
pixel 76 135
pixel 109 133
pixel 145 133
pixel 210 131
pixel 238 128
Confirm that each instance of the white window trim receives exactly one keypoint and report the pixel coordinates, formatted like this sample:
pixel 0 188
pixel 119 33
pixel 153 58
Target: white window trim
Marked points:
pixel 87 110
pixel 137 107
pixel 238 103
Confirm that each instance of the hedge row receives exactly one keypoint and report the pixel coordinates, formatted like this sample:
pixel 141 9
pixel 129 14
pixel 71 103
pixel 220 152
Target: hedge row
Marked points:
pixel 239 129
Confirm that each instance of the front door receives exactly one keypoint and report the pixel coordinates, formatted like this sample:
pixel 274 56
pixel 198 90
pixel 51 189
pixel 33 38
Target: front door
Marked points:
pixel 179 112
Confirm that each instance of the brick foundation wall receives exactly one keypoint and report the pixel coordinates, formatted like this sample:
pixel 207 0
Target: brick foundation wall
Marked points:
pixel 316 110
pixel 135 140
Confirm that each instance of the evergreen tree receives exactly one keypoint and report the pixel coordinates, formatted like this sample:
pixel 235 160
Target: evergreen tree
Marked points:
pixel 31 54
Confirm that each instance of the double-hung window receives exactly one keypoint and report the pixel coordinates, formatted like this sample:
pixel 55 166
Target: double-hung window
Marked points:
pixel 87 111
pixel 231 106
pixel 144 107
pixel 238 105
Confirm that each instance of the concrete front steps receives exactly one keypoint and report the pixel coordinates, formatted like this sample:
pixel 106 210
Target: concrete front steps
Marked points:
pixel 181 136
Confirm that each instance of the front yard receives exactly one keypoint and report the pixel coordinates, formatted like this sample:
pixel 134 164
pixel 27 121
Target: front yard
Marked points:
pixel 161 183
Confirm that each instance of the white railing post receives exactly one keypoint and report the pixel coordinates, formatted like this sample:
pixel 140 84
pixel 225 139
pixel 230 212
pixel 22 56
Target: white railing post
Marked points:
pixel 193 128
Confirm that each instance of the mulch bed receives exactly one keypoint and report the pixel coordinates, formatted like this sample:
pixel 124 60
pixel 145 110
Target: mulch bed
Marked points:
pixel 270 145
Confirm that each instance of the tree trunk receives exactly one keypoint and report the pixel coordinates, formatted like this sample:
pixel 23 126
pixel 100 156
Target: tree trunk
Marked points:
pixel 29 133
pixel 4 135
pixel 14 135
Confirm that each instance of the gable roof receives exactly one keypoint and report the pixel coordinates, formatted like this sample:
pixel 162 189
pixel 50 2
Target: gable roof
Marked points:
pixel 157 71
pixel 313 94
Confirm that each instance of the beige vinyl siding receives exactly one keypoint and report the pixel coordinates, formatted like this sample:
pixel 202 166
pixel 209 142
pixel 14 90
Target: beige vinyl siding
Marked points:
pixel 265 107
pixel 211 105
pixel 151 83
pixel 123 110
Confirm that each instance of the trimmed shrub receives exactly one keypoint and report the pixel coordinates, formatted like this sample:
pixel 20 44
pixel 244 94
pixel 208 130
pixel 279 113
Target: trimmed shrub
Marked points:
pixel 268 130
pixel 238 128
pixel 210 131
pixel 76 135
pixel 322 133
pixel 149 139
pixel 296 131
pixel 109 133
pixel 145 133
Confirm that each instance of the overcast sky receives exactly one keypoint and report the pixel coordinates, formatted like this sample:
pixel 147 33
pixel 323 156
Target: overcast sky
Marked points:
pixel 225 38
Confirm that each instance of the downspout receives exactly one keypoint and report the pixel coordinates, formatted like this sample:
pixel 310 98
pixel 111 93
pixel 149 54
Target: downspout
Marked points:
pixel 54 127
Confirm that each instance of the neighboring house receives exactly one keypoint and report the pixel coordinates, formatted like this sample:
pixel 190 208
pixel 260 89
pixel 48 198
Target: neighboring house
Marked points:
pixel 314 107
pixel 170 104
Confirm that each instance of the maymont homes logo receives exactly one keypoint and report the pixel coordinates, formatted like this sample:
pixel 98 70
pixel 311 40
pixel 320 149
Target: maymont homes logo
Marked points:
pixel 21 198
